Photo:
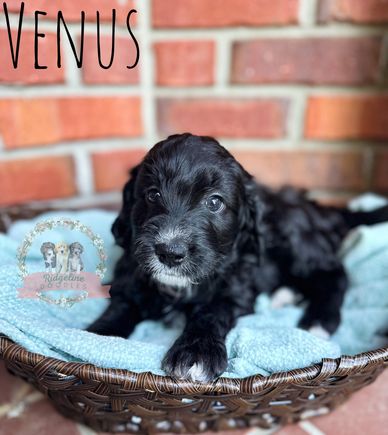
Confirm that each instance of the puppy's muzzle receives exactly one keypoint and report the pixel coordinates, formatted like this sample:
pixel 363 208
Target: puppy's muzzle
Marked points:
pixel 171 253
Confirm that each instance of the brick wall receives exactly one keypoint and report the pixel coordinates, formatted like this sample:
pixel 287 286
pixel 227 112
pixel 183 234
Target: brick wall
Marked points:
pixel 296 89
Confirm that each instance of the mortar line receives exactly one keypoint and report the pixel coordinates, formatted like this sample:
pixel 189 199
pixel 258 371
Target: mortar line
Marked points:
pixel 266 90
pixel 295 118
pixel 113 197
pixel 334 26
pixel 68 148
pixel 308 10
pixel 305 30
pixel 147 72
pixel 73 75
pixel 84 177
pixel 245 144
pixel 247 33
pixel 223 64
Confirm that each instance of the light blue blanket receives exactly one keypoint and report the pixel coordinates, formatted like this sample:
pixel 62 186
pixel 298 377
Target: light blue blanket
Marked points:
pixel 261 343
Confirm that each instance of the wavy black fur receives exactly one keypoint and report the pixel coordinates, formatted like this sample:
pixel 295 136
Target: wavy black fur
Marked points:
pixel 258 241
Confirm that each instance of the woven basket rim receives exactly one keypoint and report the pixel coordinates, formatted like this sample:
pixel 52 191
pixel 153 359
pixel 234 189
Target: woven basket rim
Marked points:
pixel 127 379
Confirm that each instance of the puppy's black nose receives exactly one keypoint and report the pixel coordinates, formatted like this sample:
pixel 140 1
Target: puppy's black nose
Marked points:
pixel 171 253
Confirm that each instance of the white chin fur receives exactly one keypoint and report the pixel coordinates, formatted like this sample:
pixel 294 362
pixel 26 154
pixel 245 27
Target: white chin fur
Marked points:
pixel 172 280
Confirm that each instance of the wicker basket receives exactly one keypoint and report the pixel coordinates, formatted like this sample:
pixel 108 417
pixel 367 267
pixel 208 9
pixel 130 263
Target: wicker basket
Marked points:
pixel 122 401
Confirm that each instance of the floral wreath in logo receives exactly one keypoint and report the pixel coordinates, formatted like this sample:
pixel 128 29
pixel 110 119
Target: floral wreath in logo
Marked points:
pixel 62 268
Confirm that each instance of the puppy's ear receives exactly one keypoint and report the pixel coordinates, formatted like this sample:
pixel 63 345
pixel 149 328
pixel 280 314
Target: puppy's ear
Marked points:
pixel 121 228
pixel 251 214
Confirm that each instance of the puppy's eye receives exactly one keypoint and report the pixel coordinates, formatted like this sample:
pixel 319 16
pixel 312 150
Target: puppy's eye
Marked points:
pixel 215 204
pixel 153 195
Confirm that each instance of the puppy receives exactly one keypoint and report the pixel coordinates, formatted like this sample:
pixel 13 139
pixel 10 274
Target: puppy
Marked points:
pixel 75 263
pixel 48 251
pixel 62 253
pixel 201 237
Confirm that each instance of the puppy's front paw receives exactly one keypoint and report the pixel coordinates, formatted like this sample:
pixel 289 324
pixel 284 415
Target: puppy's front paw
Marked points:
pixel 198 359
pixel 323 325
pixel 100 327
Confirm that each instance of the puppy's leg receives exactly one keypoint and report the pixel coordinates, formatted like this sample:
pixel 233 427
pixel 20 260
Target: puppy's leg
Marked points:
pixel 59 266
pixel 119 319
pixel 122 314
pixel 325 290
pixel 130 303
pixel 199 353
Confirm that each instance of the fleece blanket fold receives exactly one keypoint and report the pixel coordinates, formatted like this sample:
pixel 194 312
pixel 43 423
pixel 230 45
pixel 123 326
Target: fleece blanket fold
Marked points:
pixel 262 343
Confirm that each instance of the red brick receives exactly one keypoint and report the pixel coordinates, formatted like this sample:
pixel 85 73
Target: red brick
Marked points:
pixel 36 122
pixel 223 117
pixel 357 11
pixel 292 429
pixel 100 117
pixel 111 168
pixel 13 389
pixel 222 13
pixel 72 9
pixel 118 73
pixel 25 73
pixel 308 169
pixel 337 61
pixel 380 171
pixel 36 179
pixel 38 418
pixel 185 63
pixel 347 117
pixel 366 412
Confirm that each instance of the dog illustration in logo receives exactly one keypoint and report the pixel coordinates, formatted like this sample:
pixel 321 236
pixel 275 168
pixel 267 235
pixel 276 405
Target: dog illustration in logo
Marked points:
pixel 62 251
pixel 49 255
pixel 75 263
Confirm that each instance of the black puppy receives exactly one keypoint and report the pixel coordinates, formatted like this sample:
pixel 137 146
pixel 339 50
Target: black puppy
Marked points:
pixel 200 236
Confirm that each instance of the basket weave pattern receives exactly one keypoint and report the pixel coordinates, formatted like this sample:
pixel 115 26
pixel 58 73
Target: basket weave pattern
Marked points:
pixel 122 401
pixel 115 400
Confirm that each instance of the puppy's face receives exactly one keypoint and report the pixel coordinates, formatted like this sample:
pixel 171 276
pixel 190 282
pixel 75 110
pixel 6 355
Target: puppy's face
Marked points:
pixel 76 252
pixel 61 248
pixel 50 254
pixel 76 249
pixel 185 216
